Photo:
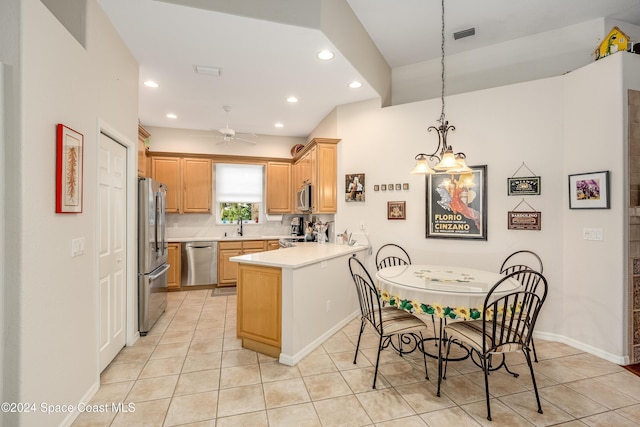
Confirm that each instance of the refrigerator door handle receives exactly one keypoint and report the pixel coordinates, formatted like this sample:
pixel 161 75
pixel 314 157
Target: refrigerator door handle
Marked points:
pixel 156 225
pixel 160 273
pixel 162 215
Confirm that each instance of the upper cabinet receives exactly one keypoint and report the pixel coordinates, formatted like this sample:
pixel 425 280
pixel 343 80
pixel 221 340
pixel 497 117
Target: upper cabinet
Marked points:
pixel 279 191
pixel 143 153
pixel 189 182
pixel 317 164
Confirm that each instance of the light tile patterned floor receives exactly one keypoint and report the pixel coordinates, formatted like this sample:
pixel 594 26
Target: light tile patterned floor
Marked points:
pixel 191 370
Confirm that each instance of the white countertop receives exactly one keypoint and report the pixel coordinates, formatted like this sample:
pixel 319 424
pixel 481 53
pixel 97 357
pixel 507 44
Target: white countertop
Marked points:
pixel 298 256
pixel 225 239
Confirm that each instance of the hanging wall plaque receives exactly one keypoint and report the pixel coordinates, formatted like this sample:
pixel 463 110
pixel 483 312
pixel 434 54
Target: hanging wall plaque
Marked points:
pixel 523 186
pixel 524 220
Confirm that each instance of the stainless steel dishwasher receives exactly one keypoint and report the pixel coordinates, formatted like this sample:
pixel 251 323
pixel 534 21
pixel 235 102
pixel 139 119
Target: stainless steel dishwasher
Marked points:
pixel 201 260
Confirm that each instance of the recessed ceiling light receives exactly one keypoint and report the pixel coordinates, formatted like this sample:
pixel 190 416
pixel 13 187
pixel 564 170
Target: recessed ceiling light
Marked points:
pixel 325 55
pixel 355 84
pixel 292 99
pixel 279 125
pixel 151 83
pixel 171 116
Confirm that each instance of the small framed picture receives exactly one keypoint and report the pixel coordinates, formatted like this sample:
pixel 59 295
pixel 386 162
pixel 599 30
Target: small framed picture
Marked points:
pixel 383 187
pixel 396 210
pixel 405 186
pixel 589 190
pixel 390 187
pixel 69 170
pixel 376 187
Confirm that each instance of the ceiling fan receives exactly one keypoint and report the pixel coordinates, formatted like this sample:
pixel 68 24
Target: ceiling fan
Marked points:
pixel 228 135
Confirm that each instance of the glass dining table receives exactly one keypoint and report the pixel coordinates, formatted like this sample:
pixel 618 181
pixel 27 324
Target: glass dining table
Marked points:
pixel 446 292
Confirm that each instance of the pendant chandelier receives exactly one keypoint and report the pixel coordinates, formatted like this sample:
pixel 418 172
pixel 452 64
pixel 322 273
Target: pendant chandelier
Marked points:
pixel 448 162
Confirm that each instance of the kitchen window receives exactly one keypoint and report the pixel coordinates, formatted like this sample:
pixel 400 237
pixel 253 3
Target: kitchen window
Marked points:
pixel 239 192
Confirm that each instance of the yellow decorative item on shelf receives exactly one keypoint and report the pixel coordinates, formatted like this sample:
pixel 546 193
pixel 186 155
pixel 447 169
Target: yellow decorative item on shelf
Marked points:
pixel 615 41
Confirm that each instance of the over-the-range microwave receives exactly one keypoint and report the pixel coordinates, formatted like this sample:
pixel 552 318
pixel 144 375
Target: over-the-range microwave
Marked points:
pixel 303 198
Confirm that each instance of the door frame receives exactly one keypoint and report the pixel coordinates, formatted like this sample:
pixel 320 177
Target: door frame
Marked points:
pixel 132 333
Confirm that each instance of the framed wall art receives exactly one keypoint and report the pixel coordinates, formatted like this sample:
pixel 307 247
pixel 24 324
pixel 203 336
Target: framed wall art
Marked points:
pixel 589 190
pixel 457 205
pixel 354 187
pixel 69 170
pixel 396 210
pixel 523 186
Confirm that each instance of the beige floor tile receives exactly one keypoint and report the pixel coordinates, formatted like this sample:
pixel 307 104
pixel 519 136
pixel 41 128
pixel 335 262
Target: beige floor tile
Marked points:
pixel 412 421
pixel 231 343
pixel 275 371
pixel 202 362
pixel 239 400
pixel 361 380
pixel 134 354
pixel 198 382
pixel 325 386
pixel 316 364
pixel 525 405
pixel 121 372
pixel 558 370
pixel 176 337
pixel 202 334
pixel 590 365
pixel 384 405
pixel 630 412
pixel 609 419
pixel 162 367
pixel 462 390
pixel 236 376
pixel 238 358
pixel 302 415
pixel 402 372
pixel 341 411
pixel 574 423
pixel 170 350
pixel 625 382
pixel 344 360
pixel 570 401
pixel 422 397
pixel 94 419
pixel 211 345
pixel 285 393
pixel 501 414
pixel 152 388
pixel 151 413
pixel 501 382
pixel 192 408
pixel 112 393
pixel 338 343
pixel 253 419
pixel 608 395
pixel 454 416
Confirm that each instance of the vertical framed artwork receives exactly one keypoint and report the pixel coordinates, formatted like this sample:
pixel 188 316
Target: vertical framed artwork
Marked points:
pixel 69 170
pixel 396 210
pixel 354 187
pixel 589 190
pixel 457 205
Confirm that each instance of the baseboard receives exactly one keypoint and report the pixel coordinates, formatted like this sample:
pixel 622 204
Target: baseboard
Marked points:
pixel 294 359
pixel 618 360
pixel 71 416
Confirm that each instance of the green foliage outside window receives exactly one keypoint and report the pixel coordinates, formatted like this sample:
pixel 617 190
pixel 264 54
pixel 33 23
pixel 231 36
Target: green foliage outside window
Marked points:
pixel 230 212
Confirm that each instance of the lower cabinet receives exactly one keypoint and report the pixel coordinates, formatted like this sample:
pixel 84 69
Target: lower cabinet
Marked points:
pixel 259 314
pixel 227 270
pixel 173 274
pixel 272 245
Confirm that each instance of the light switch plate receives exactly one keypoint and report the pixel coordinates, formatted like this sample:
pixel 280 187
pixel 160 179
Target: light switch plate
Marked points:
pixel 592 234
pixel 77 246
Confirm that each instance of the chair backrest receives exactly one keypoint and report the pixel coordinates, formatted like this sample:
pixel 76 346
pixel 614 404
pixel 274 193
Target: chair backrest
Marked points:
pixel 390 255
pixel 510 315
pixel 521 260
pixel 368 296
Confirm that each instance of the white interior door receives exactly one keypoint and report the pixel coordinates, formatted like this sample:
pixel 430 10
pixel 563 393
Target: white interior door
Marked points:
pixel 112 252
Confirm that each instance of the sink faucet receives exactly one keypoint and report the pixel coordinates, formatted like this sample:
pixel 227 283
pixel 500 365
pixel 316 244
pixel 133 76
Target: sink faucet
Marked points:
pixel 240 224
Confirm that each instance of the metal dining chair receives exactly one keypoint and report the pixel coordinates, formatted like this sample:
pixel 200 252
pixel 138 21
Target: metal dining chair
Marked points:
pixel 387 322
pixel 390 255
pixel 509 318
pixel 522 260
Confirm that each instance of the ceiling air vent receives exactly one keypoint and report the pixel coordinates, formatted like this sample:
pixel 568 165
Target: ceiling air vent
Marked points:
pixel 207 71
pixel 464 33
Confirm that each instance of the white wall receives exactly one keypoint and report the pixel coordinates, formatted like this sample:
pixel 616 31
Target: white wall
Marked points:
pixel 55 296
pixel 560 125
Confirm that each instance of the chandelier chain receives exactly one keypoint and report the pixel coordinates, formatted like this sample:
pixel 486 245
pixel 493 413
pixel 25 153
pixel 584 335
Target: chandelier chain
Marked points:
pixel 442 35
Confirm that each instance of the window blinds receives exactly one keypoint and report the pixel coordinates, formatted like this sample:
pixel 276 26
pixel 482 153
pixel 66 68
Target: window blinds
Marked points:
pixel 237 183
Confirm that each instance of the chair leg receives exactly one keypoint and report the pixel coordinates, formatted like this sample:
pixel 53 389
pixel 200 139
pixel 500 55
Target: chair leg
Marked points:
pixel 424 356
pixel 533 379
pixel 362 325
pixel 535 355
pixel 375 375
pixel 485 365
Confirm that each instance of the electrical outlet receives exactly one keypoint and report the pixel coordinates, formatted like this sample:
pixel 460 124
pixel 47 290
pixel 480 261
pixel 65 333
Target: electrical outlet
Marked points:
pixel 362 226
pixel 77 246
pixel 328 306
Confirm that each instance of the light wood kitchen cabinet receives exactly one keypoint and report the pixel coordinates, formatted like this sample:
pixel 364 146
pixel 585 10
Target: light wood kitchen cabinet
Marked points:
pixel 174 272
pixel 228 270
pixel 317 165
pixel 279 191
pixel 259 315
pixel 272 245
pixel 143 155
pixel 189 182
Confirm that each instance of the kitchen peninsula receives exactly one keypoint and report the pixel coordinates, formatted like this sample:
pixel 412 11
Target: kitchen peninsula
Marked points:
pixel 293 299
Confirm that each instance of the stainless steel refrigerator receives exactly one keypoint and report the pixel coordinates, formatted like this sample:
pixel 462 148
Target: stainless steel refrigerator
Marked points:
pixel 152 253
